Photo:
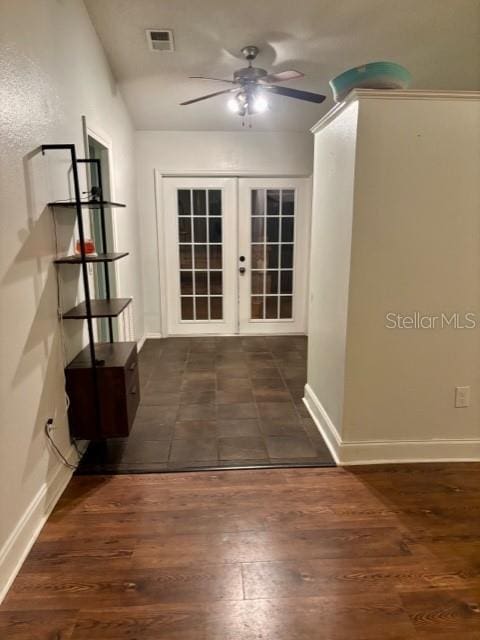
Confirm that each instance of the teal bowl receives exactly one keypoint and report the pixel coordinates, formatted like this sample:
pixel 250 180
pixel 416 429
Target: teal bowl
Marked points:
pixel 374 75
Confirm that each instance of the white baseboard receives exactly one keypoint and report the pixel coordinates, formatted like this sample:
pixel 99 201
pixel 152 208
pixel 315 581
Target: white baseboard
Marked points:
pixel 323 423
pixel 20 541
pixel 147 336
pixel 387 451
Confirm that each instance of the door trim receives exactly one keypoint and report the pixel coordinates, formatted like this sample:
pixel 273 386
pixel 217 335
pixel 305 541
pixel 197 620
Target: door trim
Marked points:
pixel 161 239
pixel 93 130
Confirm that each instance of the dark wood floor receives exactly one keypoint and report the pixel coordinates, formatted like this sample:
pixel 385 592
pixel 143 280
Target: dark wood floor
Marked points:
pixel 363 554
pixel 217 402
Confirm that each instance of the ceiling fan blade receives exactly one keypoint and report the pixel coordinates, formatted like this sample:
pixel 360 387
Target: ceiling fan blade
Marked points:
pixel 283 76
pixel 209 78
pixel 209 95
pixel 295 93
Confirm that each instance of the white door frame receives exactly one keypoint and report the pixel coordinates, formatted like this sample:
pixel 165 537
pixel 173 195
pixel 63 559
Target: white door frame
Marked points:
pixel 93 130
pixel 159 176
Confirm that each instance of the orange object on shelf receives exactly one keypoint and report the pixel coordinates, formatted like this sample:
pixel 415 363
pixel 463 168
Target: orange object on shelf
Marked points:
pixel 89 247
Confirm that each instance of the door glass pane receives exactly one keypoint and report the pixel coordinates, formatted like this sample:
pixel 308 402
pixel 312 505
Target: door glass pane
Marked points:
pixel 272 244
pixel 273 225
pixel 287 256
pixel 186 283
pixel 215 256
pixel 215 230
pixel 215 202
pixel 200 254
pixel 258 259
pixel 184 229
pixel 288 202
pixel 216 282
pixel 199 202
pixel 272 256
pixel 187 308
pixel 286 307
pixel 216 312
pixel 201 286
pixel 273 202
pixel 271 282
pixel 257 281
pixel 200 230
pixel 287 230
pixel 201 307
pixel 257 307
pixel 185 256
pixel 286 282
pixel 258 229
pixel 184 202
pixel 271 307
pixel 258 202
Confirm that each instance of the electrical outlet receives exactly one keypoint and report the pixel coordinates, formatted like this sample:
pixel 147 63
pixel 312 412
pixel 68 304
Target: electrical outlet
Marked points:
pixel 462 397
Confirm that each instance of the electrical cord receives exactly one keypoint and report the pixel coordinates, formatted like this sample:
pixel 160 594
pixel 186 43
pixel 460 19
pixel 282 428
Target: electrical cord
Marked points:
pixel 91 195
pixel 48 424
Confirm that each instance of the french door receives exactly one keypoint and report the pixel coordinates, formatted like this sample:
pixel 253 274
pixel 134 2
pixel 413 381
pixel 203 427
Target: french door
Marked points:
pixel 236 255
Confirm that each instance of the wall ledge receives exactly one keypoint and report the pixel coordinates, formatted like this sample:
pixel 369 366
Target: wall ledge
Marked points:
pixel 391 94
pixel 17 546
pixel 387 451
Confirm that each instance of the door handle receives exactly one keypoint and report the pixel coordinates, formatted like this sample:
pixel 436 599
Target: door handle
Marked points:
pixel 242 269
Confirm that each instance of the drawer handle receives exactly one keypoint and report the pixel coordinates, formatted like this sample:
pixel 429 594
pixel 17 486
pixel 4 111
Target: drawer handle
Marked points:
pixel 133 391
pixel 133 366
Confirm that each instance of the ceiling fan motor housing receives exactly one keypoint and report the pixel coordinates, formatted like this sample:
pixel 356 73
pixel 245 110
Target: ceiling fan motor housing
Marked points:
pixel 250 52
pixel 249 74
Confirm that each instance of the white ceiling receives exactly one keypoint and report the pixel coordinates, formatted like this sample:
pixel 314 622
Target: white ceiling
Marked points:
pixel 437 40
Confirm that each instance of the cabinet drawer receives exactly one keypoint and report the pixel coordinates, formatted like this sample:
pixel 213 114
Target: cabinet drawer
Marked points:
pixel 133 399
pixel 131 369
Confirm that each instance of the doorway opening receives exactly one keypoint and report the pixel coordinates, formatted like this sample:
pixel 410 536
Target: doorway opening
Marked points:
pixel 224 388
pixel 106 327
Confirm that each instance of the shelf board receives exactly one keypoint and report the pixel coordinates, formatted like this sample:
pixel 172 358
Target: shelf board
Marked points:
pixel 100 309
pixel 113 354
pixel 100 257
pixel 90 204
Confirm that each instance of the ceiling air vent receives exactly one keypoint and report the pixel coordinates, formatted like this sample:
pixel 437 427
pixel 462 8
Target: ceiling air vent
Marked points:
pixel 160 39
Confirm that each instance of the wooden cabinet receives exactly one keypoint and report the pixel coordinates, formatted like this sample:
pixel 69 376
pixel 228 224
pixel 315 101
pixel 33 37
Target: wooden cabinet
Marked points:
pixel 118 391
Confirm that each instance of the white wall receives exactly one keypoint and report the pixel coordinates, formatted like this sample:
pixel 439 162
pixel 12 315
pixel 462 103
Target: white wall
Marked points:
pixel 53 71
pixel 332 212
pixel 209 152
pixel 415 246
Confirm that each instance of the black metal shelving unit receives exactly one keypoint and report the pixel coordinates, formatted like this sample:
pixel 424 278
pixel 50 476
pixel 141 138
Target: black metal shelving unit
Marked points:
pixel 91 308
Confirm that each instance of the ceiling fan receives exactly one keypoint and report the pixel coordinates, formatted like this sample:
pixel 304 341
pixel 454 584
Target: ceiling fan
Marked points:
pixel 251 85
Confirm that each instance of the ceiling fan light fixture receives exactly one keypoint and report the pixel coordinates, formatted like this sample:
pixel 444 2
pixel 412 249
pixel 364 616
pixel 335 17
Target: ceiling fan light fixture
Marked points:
pixel 260 104
pixel 233 105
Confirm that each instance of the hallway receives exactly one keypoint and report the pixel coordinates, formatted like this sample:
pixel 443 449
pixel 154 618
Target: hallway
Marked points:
pixel 217 402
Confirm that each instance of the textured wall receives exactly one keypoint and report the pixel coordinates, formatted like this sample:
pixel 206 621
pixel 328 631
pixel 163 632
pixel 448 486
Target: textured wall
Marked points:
pixel 53 71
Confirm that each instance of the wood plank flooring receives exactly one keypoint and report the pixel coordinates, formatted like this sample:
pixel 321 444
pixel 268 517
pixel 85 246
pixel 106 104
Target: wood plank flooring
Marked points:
pixel 368 553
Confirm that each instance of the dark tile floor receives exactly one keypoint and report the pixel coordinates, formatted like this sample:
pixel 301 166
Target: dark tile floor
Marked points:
pixel 217 402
